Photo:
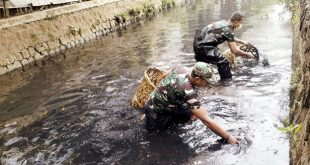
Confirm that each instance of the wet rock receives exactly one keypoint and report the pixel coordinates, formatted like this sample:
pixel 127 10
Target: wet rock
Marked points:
pixel 77 42
pixel 82 41
pixel 8 130
pixel 68 46
pixel 24 62
pixel 38 56
pixel 10 124
pixel 31 59
pixel 57 50
pixel 52 52
pixel 16 64
pixel 15 140
pixel 87 39
pixel 44 53
pixel 39 157
pixel 72 43
pixel 62 47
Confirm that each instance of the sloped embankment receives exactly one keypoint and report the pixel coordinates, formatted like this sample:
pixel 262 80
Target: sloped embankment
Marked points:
pixel 31 37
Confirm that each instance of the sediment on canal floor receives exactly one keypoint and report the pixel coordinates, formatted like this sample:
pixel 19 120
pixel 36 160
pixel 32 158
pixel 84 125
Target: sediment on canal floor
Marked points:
pixel 32 37
pixel 300 84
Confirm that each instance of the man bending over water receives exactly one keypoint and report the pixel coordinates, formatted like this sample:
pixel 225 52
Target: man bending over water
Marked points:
pixel 206 42
pixel 175 100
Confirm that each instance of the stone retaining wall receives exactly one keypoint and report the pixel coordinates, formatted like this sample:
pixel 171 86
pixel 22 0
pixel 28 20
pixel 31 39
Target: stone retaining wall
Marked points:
pixel 300 84
pixel 27 38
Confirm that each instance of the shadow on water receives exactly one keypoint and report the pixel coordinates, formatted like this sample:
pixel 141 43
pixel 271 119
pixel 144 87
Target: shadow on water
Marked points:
pixel 76 108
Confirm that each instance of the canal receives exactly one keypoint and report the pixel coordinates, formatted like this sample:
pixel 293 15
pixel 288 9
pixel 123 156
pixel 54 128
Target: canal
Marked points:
pixel 75 108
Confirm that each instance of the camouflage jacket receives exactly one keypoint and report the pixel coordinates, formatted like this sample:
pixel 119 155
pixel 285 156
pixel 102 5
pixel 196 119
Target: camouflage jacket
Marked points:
pixel 215 34
pixel 175 93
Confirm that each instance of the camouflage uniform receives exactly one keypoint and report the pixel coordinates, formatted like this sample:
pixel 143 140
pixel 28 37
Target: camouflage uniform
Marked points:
pixel 172 101
pixel 206 42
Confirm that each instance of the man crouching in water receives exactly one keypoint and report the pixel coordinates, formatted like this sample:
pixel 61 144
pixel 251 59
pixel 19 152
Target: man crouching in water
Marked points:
pixel 175 100
pixel 206 42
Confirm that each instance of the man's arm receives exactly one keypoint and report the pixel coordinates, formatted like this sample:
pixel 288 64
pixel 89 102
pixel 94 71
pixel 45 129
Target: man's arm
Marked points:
pixel 202 114
pixel 237 40
pixel 235 50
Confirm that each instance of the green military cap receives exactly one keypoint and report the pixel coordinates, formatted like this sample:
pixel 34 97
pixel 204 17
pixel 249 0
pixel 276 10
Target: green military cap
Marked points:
pixel 204 71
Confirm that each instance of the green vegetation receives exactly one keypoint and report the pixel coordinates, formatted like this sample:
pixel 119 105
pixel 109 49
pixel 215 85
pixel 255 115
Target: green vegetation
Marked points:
pixel 50 18
pixel 292 130
pixel 51 36
pixel 135 12
pixel 292 5
pixel 149 9
pixel 75 31
pixel 122 18
pixel 34 37
pixel 286 121
pixel 97 22
pixel 295 78
pixel 167 4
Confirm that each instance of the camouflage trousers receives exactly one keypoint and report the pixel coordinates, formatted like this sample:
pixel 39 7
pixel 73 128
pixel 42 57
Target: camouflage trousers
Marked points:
pixel 212 54
pixel 164 119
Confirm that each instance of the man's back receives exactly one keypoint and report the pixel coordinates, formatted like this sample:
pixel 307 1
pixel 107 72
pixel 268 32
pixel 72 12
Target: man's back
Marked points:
pixel 215 34
pixel 174 92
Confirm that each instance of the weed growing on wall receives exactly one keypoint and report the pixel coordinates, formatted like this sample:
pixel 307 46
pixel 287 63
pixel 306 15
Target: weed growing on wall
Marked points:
pixel 135 12
pixel 292 5
pixel 292 130
pixel 167 4
pixel 34 37
pixel 75 31
pixel 50 18
pixel 149 9
pixel 295 78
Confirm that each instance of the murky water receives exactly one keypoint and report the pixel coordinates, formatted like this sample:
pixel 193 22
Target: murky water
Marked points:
pixel 80 99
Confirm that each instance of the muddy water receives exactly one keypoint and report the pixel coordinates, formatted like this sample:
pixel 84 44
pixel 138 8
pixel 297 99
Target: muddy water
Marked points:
pixel 80 99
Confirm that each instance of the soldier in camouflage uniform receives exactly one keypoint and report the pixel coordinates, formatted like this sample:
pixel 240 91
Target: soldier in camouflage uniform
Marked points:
pixel 175 100
pixel 206 42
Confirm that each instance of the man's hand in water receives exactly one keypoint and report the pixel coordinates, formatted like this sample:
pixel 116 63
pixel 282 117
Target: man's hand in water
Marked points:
pixel 232 140
pixel 250 56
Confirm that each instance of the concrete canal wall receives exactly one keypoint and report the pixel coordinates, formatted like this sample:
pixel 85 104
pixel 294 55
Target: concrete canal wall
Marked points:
pixel 27 38
pixel 300 84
